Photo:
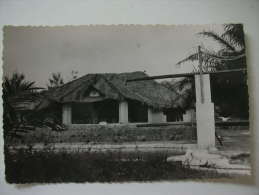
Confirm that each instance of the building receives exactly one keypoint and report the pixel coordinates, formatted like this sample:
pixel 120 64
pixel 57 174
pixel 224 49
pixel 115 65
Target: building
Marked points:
pixel 108 98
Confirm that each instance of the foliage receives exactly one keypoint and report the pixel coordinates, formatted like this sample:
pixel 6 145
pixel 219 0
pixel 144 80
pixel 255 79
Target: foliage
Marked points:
pixel 185 91
pixel 74 75
pixel 16 89
pixel 232 52
pixel 230 90
pixel 56 80
pixel 230 94
pixel 17 85
pixel 108 134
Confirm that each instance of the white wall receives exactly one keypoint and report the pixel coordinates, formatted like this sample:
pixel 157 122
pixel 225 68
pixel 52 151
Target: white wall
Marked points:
pixel 66 12
pixel 66 114
pixel 156 116
pixel 189 116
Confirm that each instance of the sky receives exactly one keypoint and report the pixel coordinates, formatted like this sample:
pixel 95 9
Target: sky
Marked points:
pixel 39 51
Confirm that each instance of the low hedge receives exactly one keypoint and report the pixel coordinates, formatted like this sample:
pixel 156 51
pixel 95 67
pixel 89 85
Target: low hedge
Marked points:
pixel 107 134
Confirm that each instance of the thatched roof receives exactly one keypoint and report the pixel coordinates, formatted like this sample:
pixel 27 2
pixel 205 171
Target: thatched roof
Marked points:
pixel 114 86
pixel 185 92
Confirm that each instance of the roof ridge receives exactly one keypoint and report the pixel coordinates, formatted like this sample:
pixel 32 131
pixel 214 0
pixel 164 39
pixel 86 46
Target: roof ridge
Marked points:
pixel 126 88
pixel 112 85
pixel 75 89
pixel 72 81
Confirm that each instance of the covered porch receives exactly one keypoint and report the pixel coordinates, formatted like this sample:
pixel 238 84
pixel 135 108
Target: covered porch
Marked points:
pixel 110 112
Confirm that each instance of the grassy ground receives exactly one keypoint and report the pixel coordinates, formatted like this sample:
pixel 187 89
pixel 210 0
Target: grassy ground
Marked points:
pixel 46 165
pixel 239 139
pixel 26 166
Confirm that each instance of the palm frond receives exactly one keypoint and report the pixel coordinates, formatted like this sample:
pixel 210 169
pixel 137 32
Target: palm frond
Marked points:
pixel 235 34
pixel 208 63
pixel 192 57
pixel 212 61
pixel 227 57
pixel 219 39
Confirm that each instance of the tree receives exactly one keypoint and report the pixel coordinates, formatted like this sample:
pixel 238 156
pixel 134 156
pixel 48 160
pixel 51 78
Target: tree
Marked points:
pixel 16 89
pixel 17 85
pixel 74 75
pixel 230 56
pixel 55 80
pixel 232 52
pixel 184 89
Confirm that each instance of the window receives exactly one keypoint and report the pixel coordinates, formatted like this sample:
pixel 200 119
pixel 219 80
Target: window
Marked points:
pixel 138 112
pixel 96 112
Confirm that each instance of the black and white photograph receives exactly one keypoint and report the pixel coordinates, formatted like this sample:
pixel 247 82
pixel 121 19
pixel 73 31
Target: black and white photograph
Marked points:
pixel 126 103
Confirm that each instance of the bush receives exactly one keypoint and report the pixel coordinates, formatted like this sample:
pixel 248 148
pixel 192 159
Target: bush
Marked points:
pixel 108 134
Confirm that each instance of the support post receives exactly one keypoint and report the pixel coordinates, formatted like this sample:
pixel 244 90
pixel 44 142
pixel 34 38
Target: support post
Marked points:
pixel 204 109
pixel 201 75
pixel 123 112
pixel 66 114
pixel 204 114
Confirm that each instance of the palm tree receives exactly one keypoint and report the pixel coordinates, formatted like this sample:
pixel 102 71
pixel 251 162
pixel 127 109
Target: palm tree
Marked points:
pixel 230 56
pixel 232 52
pixel 185 91
pixel 16 89
pixel 17 85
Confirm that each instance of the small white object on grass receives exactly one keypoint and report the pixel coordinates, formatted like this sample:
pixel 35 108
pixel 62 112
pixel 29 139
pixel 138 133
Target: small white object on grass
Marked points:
pixel 103 123
pixel 224 119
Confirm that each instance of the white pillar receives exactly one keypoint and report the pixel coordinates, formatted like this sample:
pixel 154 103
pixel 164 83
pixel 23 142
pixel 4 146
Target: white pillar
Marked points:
pixel 156 116
pixel 66 114
pixel 123 112
pixel 204 114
